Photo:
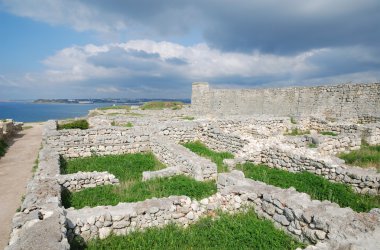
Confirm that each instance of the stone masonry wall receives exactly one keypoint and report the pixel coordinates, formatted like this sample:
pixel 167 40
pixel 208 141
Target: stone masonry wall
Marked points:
pixel 100 141
pixel 336 102
pixel 81 180
pixel 179 158
pixel 41 223
pixel 312 221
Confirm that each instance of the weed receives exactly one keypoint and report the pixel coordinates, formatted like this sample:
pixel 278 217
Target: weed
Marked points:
pixel 328 133
pixel 190 118
pixel 293 120
pixel 366 156
pixel 3 147
pixel 296 132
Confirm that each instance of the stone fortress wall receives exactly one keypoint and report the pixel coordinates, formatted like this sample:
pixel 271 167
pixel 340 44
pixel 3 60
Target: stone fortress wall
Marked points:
pixel 360 101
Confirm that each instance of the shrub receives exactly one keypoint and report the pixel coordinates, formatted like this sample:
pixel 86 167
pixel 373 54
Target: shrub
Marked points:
pixel 77 124
pixel 3 147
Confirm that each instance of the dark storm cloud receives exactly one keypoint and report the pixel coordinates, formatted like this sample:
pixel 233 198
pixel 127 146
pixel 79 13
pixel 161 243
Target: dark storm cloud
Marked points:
pixel 276 27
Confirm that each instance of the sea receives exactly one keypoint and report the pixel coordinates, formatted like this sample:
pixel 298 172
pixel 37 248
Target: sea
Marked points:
pixel 27 111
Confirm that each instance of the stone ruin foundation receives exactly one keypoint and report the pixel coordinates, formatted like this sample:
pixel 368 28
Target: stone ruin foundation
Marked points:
pixel 43 223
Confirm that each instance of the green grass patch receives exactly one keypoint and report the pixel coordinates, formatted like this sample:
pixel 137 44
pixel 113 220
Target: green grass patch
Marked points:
pixel 3 147
pixel 366 156
pixel 316 186
pixel 26 127
pixel 190 118
pixel 127 125
pixel 328 133
pixel 125 107
pixel 217 157
pixel 296 131
pixel 312 145
pixel 239 231
pixel 128 169
pixel 77 124
pixel 161 105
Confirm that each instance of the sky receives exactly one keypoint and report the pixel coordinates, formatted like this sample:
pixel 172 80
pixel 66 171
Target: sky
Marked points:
pixel 156 49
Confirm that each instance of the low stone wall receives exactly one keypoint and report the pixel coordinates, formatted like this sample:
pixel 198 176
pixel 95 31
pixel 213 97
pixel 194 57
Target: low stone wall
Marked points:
pixel 285 157
pixel 100 141
pixel 371 134
pixel 82 180
pixel 309 220
pixel 41 222
pixel 178 157
pixel 337 144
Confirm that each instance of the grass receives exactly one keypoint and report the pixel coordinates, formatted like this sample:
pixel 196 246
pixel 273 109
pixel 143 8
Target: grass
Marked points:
pixel 217 157
pixel 366 156
pixel 312 145
pixel 293 120
pixel 126 107
pixel 328 133
pixel 239 231
pixel 296 131
pixel 316 186
pixel 190 118
pixel 26 127
pixel 3 147
pixel 128 169
pixel 77 124
pixel 161 105
pixel 127 125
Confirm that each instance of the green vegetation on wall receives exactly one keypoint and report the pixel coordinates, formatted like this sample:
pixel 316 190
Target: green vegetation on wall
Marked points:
pixel 316 186
pixel 128 169
pixel 366 156
pixel 225 231
pixel 216 157
pixel 77 124
pixel 296 131
pixel 328 133
pixel 161 105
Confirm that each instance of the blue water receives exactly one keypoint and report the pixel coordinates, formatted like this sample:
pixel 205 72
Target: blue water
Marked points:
pixel 33 112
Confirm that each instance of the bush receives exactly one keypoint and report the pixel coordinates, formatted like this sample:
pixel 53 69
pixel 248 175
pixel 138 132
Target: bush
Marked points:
pixel 3 147
pixel 77 124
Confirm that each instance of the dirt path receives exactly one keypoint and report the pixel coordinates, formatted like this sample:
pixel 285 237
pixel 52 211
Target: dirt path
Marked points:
pixel 15 171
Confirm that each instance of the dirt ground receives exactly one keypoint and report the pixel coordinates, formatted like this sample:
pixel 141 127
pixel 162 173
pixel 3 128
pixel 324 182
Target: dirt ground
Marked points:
pixel 15 171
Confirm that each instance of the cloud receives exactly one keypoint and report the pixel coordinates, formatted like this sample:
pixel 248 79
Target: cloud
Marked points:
pixel 145 68
pixel 275 27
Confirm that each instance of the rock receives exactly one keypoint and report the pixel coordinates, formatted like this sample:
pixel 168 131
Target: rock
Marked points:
pixel 281 219
pixel 104 232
